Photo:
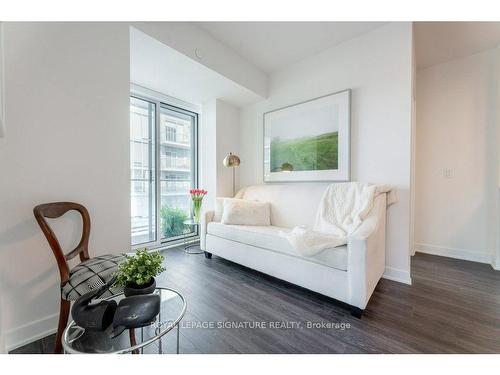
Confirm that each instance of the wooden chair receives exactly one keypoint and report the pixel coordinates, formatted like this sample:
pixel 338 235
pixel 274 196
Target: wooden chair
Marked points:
pixel 90 273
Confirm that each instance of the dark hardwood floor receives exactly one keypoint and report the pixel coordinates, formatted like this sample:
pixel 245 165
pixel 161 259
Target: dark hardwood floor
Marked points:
pixel 453 306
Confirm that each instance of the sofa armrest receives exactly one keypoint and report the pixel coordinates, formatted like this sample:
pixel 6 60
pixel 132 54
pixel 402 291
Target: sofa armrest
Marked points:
pixel 366 254
pixel 366 229
pixel 206 218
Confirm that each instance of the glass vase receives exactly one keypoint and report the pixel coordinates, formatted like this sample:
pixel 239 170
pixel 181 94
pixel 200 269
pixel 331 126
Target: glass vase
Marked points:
pixel 196 210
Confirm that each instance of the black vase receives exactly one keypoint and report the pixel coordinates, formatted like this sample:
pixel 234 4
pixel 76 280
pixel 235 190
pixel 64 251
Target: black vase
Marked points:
pixel 132 289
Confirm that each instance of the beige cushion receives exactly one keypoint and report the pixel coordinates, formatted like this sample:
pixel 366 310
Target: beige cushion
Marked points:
pixel 245 212
pixel 219 208
pixel 267 237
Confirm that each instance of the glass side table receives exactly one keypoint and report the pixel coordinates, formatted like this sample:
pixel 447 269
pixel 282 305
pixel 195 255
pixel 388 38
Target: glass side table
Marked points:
pixel 145 340
pixel 192 248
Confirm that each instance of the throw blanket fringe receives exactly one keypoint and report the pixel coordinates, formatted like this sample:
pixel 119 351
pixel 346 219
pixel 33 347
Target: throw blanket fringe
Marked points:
pixel 341 211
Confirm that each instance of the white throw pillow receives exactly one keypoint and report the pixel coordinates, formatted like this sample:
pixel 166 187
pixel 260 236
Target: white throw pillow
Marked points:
pixel 245 212
pixel 219 208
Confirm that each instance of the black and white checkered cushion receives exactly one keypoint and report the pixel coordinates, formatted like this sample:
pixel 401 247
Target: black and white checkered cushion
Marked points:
pixel 92 274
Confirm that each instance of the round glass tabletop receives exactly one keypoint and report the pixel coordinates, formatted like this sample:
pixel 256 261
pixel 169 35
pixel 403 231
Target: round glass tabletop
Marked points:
pixel 148 339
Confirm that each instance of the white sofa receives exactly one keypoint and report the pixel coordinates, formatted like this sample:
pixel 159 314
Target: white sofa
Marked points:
pixel 347 273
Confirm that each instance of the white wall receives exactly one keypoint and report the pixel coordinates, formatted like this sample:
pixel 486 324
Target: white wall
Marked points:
pixel 197 44
pixel 67 114
pixel 2 133
pixel 161 68
pixel 228 140
pixel 377 67
pixel 496 260
pixel 208 152
pixel 496 263
pixel 2 109
pixel 219 135
pixel 457 114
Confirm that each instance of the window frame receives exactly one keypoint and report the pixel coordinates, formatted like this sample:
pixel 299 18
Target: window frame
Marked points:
pixel 148 176
pixel 159 103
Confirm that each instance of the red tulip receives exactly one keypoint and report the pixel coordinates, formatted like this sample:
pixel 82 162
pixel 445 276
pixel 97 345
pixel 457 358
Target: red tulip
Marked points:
pixel 198 192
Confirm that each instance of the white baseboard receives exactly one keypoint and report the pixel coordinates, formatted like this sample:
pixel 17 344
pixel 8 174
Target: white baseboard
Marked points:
pixel 398 275
pixel 22 335
pixel 464 254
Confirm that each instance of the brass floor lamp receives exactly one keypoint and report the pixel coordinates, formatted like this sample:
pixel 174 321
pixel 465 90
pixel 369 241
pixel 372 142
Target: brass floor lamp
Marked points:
pixel 232 161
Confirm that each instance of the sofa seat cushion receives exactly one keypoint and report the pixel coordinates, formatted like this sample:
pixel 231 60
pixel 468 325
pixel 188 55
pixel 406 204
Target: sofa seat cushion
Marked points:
pixel 267 237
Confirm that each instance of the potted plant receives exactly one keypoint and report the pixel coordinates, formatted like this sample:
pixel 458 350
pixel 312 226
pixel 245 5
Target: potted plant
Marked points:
pixel 137 272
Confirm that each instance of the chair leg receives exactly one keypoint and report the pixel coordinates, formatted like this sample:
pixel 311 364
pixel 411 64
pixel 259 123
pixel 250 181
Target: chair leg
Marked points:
pixel 63 321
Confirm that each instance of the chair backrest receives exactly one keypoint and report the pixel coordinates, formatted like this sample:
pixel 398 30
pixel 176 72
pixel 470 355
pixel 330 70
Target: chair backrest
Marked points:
pixel 53 211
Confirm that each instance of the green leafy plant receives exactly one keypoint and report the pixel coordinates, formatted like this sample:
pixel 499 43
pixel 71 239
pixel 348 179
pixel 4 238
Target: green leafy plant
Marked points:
pixel 139 268
pixel 172 221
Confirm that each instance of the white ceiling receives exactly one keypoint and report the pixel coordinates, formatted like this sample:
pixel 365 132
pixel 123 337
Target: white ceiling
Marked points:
pixel 158 67
pixel 438 42
pixel 271 46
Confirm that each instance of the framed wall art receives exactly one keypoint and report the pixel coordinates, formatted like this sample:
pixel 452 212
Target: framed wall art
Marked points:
pixel 309 141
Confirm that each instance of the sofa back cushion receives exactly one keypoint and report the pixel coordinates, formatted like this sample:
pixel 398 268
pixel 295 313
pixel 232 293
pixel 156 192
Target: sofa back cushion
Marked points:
pixel 246 212
pixel 292 204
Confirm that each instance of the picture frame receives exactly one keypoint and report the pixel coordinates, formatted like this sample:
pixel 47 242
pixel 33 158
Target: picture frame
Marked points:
pixel 309 141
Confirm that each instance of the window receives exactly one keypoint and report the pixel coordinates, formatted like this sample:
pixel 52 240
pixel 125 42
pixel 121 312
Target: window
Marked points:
pixel 171 133
pixel 163 169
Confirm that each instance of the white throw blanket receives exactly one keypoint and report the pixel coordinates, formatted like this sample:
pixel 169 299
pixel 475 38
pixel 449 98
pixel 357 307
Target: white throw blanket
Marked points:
pixel 341 211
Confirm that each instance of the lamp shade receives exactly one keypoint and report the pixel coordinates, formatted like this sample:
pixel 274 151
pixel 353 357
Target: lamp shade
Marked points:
pixel 231 160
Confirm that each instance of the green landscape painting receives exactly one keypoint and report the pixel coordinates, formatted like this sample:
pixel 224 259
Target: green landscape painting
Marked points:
pixel 308 153
pixel 308 141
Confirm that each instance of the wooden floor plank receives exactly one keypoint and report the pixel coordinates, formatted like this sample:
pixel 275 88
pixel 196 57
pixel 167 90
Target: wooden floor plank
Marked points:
pixel 453 306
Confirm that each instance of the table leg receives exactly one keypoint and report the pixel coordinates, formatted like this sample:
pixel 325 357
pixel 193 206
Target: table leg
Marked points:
pixel 160 346
pixel 187 248
pixel 178 332
pixel 142 339
pixel 133 342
